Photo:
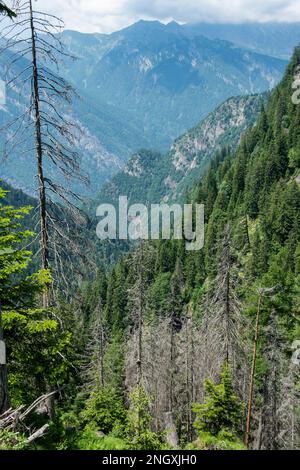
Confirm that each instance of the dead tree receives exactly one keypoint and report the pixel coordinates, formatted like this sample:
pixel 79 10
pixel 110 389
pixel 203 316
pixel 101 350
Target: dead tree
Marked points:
pixel 15 420
pixel 280 424
pixel 156 374
pixel 288 437
pixel 135 368
pixel 4 10
pixel 137 302
pixel 190 373
pixel 92 370
pixel 261 293
pixel 273 354
pixel 223 325
pixel 175 326
pixel 34 49
pixel 251 382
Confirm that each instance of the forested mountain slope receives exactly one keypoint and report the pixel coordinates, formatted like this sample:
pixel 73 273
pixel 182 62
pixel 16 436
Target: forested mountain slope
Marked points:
pixel 158 351
pixel 173 319
pixel 99 158
pixel 152 177
pixel 140 87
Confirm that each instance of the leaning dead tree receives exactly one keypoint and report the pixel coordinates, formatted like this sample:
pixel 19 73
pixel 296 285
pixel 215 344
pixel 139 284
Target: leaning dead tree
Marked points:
pixel 44 129
pixel 268 291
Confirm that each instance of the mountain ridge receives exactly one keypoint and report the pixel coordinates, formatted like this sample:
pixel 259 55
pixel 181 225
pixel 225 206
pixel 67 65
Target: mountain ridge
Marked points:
pixel 152 177
pixel 165 79
pixel 142 87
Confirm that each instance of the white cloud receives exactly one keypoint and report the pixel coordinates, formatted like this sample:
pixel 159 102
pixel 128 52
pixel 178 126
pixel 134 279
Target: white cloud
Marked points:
pixel 109 15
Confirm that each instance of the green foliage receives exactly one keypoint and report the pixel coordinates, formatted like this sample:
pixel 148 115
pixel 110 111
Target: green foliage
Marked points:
pixel 114 364
pixel 224 440
pixel 12 441
pixel 105 410
pixel 35 342
pixel 160 176
pixel 140 436
pixel 89 439
pixel 221 410
pixel 70 433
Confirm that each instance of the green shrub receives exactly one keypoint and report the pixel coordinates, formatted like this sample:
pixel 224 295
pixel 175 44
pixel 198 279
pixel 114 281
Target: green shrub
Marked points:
pixel 104 409
pixel 221 410
pixel 89 439
pixel 224 440
pixel 12 441
pixel 140 436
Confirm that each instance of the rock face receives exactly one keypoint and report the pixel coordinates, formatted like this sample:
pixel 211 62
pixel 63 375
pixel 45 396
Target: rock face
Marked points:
pixel 152 177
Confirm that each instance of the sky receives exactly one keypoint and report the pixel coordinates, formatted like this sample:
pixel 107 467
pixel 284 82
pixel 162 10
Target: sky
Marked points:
pixel 105 16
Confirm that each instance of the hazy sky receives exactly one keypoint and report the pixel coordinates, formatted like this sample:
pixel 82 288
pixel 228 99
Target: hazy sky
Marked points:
pixel 109 15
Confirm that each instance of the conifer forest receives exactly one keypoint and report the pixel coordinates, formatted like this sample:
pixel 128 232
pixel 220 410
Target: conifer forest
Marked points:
pixel 146 343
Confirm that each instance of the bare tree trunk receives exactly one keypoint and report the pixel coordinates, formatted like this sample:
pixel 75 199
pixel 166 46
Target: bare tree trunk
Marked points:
pixel 227 313
pixel 101 349
pixel 39 149
pixel 189 374
pixel 252 374
pixel 172 363
pixel 247 231
pixel 140 300
pixel 39 156
pixel 140 332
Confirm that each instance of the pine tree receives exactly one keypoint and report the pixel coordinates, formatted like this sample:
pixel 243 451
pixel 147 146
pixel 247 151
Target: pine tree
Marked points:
pixel 18 291
pixel 221 410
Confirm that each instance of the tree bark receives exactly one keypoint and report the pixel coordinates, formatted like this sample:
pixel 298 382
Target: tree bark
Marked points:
pixel 101 349
pixel 252 374
pixel 39 156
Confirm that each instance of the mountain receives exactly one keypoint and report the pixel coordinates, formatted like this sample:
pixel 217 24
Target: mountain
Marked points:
pixel 100 158
pixel 274 39
pixel 152 177
pixel 222 318
pixel 169 348
pixel 162 78
pixel 140 87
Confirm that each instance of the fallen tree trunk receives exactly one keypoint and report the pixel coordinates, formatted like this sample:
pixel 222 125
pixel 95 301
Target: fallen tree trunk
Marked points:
pixel 13 420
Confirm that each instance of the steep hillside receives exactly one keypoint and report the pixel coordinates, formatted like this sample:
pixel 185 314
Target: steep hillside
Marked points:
pixel 168 348
pixel 140 87
pixel 152 177
pixel 219 326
